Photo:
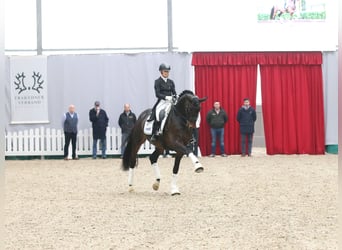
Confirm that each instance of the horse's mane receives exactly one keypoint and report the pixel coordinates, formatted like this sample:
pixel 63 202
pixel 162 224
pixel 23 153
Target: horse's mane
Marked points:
pixel 186 92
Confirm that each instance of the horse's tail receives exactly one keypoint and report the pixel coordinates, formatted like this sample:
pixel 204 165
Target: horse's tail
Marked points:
pixel 272 13
pixel 126 158
pixel 134 141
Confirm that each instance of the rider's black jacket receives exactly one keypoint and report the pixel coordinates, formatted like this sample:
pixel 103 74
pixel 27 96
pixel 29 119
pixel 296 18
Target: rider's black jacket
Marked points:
pixel 163 88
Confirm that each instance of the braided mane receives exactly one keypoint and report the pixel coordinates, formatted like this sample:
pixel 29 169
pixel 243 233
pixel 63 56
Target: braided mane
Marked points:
pixel 186 92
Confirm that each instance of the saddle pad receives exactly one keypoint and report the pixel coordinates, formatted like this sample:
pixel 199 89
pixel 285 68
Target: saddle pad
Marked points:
pixel 148 126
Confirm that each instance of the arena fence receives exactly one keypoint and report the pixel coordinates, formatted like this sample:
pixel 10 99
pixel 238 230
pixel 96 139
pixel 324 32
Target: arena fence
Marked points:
pixel 50 142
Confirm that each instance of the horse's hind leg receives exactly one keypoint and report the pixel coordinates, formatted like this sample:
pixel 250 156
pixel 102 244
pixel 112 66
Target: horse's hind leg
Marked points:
pixel 130 179
pixel 153 159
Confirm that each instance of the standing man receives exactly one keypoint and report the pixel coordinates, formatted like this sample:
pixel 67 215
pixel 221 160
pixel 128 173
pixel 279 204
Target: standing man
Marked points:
pixel 70 122
pixel 165 90
pixel 99 120
pixel 246 116
pixel 126 122
pixel 216 119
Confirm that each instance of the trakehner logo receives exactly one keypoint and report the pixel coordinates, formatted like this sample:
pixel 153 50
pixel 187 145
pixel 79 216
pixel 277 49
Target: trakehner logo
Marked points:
pixel 36 85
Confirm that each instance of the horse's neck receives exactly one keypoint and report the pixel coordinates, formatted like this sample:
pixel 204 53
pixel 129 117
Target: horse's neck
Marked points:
pixel 178 110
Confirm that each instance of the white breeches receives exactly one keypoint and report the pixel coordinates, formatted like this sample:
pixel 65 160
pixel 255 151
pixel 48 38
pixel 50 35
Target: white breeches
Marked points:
pixel 163 105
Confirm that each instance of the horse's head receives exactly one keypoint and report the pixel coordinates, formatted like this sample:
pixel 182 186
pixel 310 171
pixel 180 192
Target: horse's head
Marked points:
pixel 189 106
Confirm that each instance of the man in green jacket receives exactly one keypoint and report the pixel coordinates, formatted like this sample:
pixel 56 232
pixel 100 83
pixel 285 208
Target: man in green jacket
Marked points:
pixel 216 119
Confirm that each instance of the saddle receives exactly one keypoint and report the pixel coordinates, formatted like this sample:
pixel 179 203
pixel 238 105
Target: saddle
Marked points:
pixel 151 120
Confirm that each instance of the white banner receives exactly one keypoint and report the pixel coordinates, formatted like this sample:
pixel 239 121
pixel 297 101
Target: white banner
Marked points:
pixel 29 99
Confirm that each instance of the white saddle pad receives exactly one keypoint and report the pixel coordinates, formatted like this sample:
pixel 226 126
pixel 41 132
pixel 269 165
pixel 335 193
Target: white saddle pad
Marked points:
pixel 148 126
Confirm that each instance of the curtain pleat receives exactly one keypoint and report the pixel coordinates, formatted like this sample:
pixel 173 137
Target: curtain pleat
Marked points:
pixel 292 104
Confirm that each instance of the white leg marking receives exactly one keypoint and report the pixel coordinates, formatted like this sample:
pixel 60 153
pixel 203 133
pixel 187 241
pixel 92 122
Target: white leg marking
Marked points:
pixel 130 176
pixel 174 187
pixel 156 170
pixel 198 166
pixel 193 158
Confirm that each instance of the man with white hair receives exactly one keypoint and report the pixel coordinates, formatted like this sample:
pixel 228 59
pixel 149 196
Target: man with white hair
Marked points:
pixel 126 122
pixel 70 122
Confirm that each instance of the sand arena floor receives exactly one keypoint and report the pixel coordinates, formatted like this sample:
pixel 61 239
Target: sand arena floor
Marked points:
pixel 262 202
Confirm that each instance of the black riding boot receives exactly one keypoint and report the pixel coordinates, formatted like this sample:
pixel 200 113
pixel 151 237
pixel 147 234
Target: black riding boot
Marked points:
pixel 152 116
pixel 156 126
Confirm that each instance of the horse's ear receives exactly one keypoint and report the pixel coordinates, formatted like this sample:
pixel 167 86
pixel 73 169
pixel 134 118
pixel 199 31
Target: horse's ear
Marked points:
pixel 203 99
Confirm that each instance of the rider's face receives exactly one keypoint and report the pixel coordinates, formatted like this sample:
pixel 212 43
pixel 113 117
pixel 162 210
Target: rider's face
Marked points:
pixel 165 73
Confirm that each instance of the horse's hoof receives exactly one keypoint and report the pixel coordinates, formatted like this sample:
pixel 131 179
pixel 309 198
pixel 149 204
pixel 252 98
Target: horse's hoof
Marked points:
pixel 199 170
pixel 155 186
pixel 131 189
pixel 175 193
pixel 198 167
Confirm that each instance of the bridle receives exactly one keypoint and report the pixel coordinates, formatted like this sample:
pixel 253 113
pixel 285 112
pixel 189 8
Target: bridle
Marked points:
pixel 183 117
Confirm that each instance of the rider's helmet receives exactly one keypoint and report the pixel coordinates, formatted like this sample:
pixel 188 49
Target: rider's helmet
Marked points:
pixel 164 66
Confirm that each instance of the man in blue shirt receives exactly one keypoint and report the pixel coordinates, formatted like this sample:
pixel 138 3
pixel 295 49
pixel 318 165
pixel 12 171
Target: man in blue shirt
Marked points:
pixel 246 116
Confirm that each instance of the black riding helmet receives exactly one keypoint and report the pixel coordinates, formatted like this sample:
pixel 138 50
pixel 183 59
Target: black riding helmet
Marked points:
pixel 164 66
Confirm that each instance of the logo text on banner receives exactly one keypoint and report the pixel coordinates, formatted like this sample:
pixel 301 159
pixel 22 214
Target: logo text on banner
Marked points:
pixel 29 102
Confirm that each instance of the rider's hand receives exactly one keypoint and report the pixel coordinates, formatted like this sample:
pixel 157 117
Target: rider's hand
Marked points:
pixel 168 98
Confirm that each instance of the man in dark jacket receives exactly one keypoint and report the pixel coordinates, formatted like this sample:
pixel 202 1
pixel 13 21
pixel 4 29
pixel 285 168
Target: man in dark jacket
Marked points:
pixel 99 120
pixel 216 119
pixel 126 122
pixel 246 116
pixel 70 122
pixel 165 91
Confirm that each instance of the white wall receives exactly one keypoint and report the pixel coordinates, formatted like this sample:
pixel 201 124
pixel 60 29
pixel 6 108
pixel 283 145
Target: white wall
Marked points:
pixel 112 79
pixel 221 25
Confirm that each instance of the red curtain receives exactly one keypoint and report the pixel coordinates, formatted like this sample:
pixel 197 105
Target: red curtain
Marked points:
pixel 292 102
pixel 227 78
pixel 292 95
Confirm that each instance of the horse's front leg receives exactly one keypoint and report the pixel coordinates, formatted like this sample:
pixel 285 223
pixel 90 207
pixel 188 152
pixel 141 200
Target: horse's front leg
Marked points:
pixel 197 165
pixel 174 187
pixel 153 159
pixel 186 151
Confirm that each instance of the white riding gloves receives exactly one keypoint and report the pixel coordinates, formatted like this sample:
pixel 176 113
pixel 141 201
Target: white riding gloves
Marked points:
pixel 168 98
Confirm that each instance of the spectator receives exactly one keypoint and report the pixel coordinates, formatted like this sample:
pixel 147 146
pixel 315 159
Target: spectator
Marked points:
pixel 246 117
pixel 216 119
pixel 99 120
pixel 126 122
pixel 70 122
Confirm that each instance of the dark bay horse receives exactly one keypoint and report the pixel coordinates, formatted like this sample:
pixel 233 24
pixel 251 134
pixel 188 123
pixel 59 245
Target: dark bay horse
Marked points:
pixel 176 136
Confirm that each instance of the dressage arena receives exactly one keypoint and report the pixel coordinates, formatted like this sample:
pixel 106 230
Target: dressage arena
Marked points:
pixel 262 202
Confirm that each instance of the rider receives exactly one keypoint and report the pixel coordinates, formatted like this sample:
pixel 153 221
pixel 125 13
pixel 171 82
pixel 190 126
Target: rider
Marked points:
pixel 165 90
